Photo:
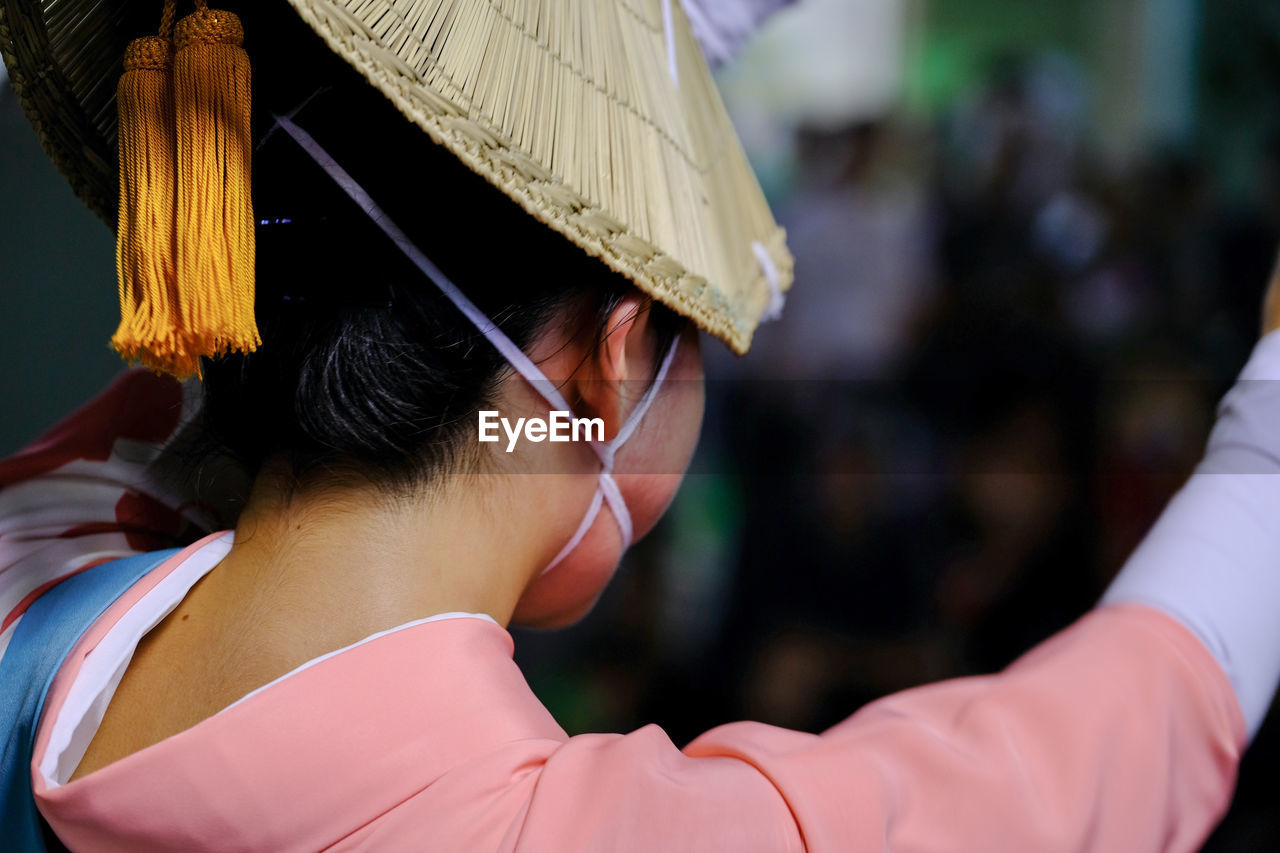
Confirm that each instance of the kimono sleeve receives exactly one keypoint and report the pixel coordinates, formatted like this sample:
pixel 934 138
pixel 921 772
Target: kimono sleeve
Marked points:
pixel 1120 733
pixel 95 488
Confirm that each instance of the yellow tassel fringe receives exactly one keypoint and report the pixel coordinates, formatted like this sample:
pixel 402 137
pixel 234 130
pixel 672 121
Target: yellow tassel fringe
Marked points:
pixel 215 234
pixel 146 232
pixel 185 239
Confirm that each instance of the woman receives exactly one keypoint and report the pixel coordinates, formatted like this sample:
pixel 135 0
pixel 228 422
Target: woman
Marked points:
pixel 336 674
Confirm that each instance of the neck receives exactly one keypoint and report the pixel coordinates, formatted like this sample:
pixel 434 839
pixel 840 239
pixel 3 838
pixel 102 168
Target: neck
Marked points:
pixel 326 568
pixel 315 570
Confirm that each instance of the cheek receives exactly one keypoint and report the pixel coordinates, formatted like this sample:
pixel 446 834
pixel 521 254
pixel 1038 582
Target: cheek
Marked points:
pixel 669 432
pixel 567 592
pixel 565 595
pixel 647 496
pixel 648 470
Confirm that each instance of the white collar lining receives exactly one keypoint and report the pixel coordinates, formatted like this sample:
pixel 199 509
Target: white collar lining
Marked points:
pixel 81 714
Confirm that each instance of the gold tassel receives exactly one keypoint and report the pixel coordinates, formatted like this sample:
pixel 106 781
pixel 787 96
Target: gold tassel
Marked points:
pixel 215 239
pixel 145 230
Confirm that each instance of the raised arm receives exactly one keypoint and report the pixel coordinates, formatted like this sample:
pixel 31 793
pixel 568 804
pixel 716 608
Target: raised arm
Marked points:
pixel 1213 559
pixel 1121 733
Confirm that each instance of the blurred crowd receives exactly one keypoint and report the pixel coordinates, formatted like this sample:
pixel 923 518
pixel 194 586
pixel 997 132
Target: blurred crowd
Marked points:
pixel 999 361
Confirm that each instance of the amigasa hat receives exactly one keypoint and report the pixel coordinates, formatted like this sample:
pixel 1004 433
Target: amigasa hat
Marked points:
pixel 600 118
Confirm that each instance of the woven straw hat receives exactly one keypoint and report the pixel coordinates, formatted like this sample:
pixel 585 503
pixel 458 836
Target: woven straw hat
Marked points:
pixel 599 117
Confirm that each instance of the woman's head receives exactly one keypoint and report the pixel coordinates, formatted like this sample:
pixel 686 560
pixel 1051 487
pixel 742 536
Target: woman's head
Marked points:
pixel 370 375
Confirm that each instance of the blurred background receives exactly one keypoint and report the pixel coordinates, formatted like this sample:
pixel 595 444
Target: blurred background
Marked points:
pixel 1031 243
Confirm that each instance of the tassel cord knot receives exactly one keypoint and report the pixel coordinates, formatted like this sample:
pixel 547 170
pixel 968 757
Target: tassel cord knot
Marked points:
pixel 209 26
pixel 149 53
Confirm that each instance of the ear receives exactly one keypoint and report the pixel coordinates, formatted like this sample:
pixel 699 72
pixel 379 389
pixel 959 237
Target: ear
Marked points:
pixel 615 376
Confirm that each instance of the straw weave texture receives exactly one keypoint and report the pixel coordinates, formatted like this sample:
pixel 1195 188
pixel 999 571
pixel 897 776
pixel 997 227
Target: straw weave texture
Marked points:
pixel 64 61
pixel 568 106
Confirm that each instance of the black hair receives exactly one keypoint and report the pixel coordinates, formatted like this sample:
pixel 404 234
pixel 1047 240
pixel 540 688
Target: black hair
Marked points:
pixel 366 369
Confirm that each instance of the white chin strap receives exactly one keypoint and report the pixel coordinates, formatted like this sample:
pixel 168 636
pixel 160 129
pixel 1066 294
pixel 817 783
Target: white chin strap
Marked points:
pixel 607 489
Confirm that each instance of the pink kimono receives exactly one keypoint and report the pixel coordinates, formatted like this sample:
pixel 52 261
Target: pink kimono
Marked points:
pixel 1121 733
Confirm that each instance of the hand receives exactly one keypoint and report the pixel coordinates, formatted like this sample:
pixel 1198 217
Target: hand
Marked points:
pixel 1271 304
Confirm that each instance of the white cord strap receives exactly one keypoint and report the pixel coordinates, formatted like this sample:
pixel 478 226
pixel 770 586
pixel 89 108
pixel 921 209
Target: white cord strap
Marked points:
pixel 607 490
pixel 668 27
pixel 773 310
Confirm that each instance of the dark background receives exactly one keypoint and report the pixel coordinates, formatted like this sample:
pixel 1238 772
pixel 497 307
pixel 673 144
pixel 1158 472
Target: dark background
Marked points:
pixel 1031 243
